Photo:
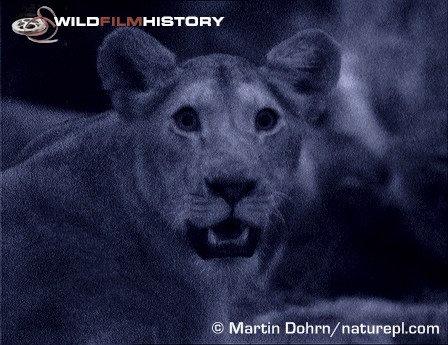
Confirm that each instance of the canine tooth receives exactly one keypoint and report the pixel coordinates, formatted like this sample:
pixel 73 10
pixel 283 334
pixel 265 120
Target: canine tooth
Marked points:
pixel 245 235
pixel 211 237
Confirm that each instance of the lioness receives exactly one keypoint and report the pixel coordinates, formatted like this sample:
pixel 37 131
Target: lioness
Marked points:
pixel 137 225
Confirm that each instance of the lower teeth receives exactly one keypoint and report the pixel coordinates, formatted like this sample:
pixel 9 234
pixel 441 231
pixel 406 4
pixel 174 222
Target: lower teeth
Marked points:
pixel 241 240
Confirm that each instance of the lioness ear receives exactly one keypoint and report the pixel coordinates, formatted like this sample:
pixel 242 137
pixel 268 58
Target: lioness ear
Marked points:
pixel 310 60
pixel 129 61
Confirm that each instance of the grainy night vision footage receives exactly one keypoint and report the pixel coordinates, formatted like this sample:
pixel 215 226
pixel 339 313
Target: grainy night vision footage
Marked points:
pixel 224 172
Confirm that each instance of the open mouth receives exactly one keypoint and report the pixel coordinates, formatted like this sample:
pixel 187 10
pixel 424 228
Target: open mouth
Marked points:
pixel 230 238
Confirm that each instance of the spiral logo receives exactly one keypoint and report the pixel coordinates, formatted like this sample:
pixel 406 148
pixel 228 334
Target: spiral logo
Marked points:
pixel 218 328
pixel 37 26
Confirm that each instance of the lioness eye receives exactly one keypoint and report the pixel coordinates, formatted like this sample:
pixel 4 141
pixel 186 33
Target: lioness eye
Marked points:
pixel 187 120
pixel 266 120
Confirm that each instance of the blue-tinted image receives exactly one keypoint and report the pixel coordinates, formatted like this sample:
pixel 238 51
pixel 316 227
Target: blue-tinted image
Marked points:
pixel 277 176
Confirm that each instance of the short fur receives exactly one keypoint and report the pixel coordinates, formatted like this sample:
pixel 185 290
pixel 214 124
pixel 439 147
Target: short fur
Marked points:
pixel 94 220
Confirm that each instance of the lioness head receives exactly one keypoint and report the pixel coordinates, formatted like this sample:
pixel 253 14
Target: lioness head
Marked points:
pixel 218 139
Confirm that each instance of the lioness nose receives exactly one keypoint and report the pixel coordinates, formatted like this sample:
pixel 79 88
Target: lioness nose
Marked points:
pixel 231 191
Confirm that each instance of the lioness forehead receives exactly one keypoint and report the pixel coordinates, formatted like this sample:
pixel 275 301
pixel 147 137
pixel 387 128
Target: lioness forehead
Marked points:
pixel 230 77
pixel 226 69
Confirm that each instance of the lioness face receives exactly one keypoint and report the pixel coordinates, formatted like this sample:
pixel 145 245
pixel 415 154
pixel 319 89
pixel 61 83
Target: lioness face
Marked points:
pixel 232 152
pixel 218 139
